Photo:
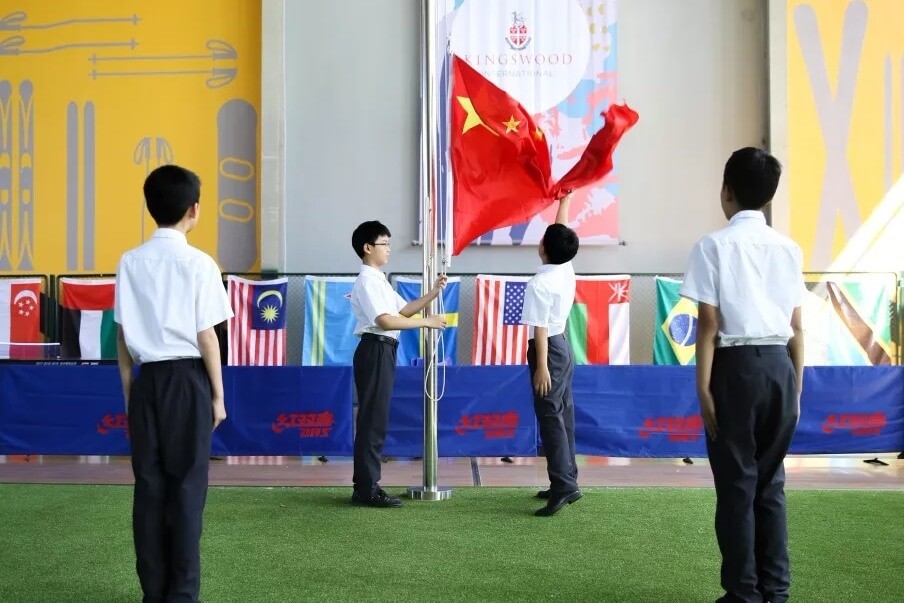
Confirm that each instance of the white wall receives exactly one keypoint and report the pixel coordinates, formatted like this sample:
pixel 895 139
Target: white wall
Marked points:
pixel 695 70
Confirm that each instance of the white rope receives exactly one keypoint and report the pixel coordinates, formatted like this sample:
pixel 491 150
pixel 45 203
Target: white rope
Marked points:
pixel 437 354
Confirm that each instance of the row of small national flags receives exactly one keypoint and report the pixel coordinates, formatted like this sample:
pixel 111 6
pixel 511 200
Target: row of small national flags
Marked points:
pixel 257 335
pixel 597 327
pixel 847 321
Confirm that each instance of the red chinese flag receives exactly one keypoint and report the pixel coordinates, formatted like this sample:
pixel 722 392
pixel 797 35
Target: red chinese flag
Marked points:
pixel 596 160
pixel 500 158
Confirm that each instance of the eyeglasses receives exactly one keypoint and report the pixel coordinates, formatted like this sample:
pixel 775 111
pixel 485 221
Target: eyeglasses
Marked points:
pixel 387 245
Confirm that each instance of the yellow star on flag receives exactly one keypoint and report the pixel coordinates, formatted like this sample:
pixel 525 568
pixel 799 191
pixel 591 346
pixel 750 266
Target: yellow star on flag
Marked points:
pixel 538 134
pixel 511 125
pixel 472 120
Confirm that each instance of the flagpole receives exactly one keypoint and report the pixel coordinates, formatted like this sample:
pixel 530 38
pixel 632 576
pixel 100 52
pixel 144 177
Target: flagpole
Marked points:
pixel 429 202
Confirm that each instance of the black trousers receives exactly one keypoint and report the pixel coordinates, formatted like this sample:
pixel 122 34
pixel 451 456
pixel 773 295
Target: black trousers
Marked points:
pixel 755 392
pixel 374 366
pixel 555 414
pixel 170 419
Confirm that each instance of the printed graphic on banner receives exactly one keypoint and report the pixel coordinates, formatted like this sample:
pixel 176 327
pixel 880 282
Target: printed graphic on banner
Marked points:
pixel 20 316
pixel 558 59
pixel 499 336
pixel 306 424
pixel 675 429
pixel 848 320
pixel 675 335
pixel 93 95
pixel 290 410
pixel 486 411
pixel 410 344
pixel 329 323
pixel 87 330
pixel 845 68
pixel 111 423
pixel 598 326
pixel 851 409
pixel 493 426
pixel 257 331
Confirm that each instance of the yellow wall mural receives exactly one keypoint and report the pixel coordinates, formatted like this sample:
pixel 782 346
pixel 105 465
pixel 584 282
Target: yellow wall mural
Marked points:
pixel 845 113
pixel 95 94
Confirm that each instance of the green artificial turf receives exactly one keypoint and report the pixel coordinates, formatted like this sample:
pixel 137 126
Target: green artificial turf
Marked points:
pixel 74 543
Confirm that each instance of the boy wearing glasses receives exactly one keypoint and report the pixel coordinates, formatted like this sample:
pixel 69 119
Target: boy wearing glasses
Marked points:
pixel 380 314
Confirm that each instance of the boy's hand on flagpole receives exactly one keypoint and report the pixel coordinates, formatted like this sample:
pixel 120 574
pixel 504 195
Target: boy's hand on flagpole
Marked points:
pixel 439 285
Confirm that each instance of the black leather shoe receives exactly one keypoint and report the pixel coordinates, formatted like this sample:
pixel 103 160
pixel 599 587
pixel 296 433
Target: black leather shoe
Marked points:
pixel 377 499
pixel 544 494
pixel 557 501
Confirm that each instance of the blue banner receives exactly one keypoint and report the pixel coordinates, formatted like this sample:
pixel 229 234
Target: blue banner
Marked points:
pixel 630 411
pixel 270 410
pixel 300 411
pixel 637 411
pixel 62 410
pixel 647 411
pixel 484 411
pixel 851 409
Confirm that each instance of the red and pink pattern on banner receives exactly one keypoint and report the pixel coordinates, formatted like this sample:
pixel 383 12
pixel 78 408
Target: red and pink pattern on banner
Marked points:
pixel 559 60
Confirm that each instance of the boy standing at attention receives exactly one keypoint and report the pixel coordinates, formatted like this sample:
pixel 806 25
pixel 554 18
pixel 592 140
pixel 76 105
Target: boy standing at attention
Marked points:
pixel 548 298
pixel 169 297
pixel 380 314
pixel 748 282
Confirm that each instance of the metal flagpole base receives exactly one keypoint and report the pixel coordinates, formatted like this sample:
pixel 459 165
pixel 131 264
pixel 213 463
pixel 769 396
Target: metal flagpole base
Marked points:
pixel 421 493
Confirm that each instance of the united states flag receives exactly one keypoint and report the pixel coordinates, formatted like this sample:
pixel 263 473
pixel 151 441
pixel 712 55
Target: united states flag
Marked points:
pixel 257 332
pixel 499 336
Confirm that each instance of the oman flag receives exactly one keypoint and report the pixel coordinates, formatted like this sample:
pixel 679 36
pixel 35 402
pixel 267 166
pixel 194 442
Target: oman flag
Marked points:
pixel 598 324
pixel 20 312
pixel 87 330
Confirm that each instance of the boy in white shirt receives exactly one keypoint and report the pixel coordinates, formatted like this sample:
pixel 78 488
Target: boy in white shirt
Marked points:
pixel 548 298
pixel 169 298
pixel 748 282
pixel 380 313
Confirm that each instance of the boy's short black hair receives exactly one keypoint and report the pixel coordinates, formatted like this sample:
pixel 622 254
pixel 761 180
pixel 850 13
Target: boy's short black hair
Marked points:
pixel 169 191
pixel 752 176
pixel 560 243
pixel 368 233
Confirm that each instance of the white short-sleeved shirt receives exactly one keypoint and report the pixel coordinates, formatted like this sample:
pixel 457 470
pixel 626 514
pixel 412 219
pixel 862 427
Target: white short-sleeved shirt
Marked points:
pixel 373 296
pixel 548 298
pixel 166 293
pixel 753 274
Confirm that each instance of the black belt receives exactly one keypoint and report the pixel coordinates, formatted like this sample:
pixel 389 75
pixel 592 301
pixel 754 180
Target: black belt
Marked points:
pixel 381 338
pixel 758 350
pixel 173 362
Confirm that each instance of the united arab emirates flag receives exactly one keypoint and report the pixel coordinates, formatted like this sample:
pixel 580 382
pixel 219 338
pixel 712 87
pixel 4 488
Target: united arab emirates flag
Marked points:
pixel 87 330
